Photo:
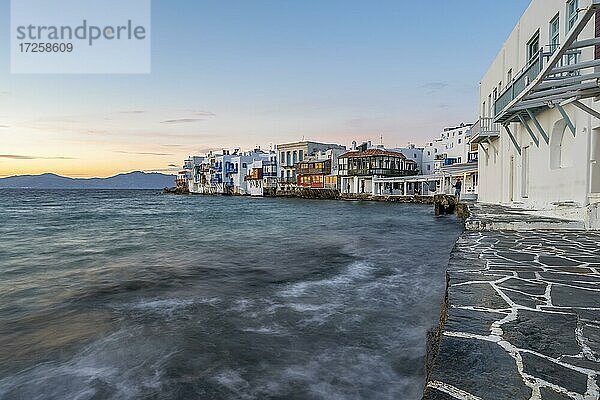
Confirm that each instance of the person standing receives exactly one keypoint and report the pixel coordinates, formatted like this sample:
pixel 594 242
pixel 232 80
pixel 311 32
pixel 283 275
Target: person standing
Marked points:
pixel 458 188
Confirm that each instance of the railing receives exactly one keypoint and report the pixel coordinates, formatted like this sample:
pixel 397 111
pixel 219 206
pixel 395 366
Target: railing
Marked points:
pixel 379 172
pixel 485 127
pixel 288 180
pixel 519 83
pixel 314 171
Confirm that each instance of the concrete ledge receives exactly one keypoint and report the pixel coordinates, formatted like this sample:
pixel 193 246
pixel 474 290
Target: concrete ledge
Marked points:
pixel 491 217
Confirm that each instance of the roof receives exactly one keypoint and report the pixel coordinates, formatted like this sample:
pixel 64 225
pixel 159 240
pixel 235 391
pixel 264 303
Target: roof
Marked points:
pixel 372 153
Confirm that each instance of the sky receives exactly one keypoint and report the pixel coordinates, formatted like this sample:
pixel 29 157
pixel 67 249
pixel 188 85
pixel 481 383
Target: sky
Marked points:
pixel 248 73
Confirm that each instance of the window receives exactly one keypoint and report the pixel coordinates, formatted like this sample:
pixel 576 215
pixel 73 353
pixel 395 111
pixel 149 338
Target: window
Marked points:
pixel 282 157
pixel 301 155
pixel 508 76
pixel 289 158
pixel 554 33
pixel 295 157
pixel 572 15
pixel 533 47
pixel 244 165
pixel 483 110
pixel 459 141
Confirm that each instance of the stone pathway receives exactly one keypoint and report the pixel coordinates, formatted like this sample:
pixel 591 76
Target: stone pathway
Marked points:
pixel 523 318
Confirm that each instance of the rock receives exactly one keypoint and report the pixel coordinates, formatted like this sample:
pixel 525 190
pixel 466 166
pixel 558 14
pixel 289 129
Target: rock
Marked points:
pixel 555 374
pixel 566 296
pixel 479 367
pixel 549 394
pixel 469 321
pixel 476 295
pixel 552 335
pixel 444 204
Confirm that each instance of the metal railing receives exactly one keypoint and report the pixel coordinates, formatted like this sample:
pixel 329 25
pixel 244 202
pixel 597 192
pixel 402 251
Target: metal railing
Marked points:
pixel 519 83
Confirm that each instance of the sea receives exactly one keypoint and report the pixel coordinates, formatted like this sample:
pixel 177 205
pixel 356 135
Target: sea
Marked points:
pixel 140 295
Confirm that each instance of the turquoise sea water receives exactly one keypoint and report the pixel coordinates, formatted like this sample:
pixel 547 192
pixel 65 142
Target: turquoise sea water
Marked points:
pixel 137 295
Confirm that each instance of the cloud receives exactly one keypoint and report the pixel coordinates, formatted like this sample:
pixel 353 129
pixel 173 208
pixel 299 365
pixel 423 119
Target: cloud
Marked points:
pixel 204 113
pixel 133 112
pixel 204 150
pixel 21 157
pixel 4 126
pixel 142 153
pixel 432 87
pixel 182 121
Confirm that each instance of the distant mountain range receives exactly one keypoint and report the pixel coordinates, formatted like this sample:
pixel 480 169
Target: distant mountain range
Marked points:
pixel 132 180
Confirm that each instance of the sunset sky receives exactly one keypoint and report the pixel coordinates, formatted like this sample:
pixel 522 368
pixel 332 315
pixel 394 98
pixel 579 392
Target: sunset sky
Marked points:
pixel 252 72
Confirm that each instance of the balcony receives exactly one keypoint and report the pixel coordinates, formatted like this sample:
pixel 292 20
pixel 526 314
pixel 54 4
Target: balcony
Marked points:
pixel 484 130
pixel 560 75
pixel 378 172
pixel 519 83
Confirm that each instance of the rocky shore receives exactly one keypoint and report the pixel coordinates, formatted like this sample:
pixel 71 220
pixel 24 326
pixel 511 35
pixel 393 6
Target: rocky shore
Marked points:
pixel 521 316
pixel 447 202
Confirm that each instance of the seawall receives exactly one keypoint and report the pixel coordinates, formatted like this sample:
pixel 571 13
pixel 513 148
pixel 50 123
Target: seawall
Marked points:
pixel 331 194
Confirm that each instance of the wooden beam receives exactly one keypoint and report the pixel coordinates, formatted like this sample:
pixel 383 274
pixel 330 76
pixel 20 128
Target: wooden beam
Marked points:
pixel 567 119
pixel 585 43
pixel 587 109
pixel 576 67
pixel 512 139
pixel 538 126
pixel 533 137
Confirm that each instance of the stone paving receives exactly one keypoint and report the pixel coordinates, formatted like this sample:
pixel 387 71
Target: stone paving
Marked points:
pixel 523 318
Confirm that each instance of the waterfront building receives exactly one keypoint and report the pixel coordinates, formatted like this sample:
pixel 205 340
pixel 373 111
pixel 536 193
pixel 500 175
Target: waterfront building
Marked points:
pixel 262 175
pixel 241 165
pixel 181 181
pixel 412 152
pixel 290 154
pixel 358 168
pixel 539 132
pixel 452 147
pixel 320 170
pixel 225 172
pixel 441 182
pixel 192 167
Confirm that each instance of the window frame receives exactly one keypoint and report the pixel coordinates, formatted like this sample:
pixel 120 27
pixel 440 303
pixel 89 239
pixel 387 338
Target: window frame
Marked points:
pixel 531 43
pixel 572 13
pixel 552 34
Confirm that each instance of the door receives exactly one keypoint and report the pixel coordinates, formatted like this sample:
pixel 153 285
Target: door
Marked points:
pixel 525 172
pixel 595 162
pixel 511 180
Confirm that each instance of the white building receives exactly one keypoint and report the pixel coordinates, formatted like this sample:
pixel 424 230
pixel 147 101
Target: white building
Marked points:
pixel 414 153
pixel 292 153
pixel 539 132
pixel 262 174
pixel 225 172
pixel 360 167
pixel 452 147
